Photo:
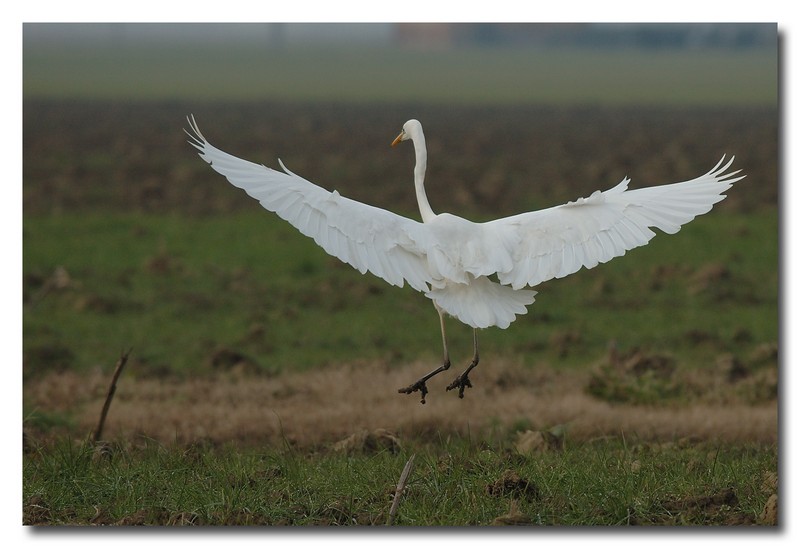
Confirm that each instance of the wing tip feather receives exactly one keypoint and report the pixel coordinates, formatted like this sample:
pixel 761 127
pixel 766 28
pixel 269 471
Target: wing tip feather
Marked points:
pixel 196 138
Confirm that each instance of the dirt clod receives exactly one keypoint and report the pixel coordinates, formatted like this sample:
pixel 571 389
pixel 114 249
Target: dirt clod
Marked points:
pixel 511 484
pixel 531 442
pixel 769 516
pixel 725 497
pixel 369 442
pixel 513 517
pixel 226 359
pixel 719 507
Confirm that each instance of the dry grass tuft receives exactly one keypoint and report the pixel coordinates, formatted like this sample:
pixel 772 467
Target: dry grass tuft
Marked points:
pixel 320 407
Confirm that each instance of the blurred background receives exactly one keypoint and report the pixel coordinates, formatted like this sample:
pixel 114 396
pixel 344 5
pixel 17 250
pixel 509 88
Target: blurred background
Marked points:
pixel 710 64
pixel 326 96
pixel 130 240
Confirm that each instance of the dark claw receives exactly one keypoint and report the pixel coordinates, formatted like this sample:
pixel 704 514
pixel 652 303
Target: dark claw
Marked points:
pixel 461 382
pixel 419 385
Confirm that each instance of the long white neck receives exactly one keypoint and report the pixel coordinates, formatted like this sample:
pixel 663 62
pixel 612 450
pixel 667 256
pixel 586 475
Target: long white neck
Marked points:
pixel 421 154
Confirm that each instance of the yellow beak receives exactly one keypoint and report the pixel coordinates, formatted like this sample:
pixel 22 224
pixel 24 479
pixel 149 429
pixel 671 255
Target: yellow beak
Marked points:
pixel 398 138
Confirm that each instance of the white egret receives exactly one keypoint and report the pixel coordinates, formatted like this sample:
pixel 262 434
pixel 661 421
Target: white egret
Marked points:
pixel 451 259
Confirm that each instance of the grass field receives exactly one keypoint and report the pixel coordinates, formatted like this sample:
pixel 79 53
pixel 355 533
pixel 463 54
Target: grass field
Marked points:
pixel 603 482
pixel 262 383
pixel 179 290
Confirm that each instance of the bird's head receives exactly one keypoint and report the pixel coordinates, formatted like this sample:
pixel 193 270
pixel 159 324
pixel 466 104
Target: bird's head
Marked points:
pixel 411 129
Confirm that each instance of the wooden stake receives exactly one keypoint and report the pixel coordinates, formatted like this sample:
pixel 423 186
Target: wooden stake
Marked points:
pixel 401 485
pixel 111 389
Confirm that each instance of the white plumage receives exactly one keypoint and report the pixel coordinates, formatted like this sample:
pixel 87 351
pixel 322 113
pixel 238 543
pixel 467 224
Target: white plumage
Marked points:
pixel 450 258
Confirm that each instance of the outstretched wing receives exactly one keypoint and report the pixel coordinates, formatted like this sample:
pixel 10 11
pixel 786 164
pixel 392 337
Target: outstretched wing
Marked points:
pixel 366 237
pixel 556 242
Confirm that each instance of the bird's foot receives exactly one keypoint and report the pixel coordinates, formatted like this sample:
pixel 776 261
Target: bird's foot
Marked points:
pixel 419 385
pixel 461 382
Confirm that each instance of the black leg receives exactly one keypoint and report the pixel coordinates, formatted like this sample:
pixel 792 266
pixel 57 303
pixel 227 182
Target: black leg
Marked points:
pixel 462 381
pixel 420 384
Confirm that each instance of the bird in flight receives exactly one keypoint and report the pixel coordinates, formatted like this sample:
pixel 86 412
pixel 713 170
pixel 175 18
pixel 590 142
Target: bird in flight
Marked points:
pixel 478 273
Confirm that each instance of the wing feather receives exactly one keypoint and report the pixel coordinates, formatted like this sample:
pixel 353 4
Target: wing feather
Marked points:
pixel 344 228
pixel 556 242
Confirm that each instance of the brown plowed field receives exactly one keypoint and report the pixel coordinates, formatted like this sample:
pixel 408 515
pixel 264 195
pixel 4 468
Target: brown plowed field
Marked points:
pixel 95 155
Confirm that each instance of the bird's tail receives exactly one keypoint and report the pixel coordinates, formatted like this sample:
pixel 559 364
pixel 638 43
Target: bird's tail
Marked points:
pixel 482 302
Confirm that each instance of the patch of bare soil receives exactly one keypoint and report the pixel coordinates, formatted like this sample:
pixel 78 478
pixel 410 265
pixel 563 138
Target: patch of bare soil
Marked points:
pixel 510 483
pixel 327 405
pixel 133 156
pixel 718 507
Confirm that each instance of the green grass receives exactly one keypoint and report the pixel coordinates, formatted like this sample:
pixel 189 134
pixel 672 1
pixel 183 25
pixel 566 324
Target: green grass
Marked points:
pixel 177 289
pixel 456 482
pixel 395 75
